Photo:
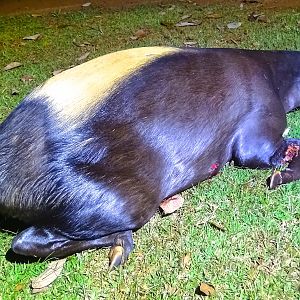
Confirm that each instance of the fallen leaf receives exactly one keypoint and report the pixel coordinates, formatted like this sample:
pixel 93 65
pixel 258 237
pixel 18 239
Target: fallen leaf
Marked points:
pixel 32 37
pixel 141 33
pixel 205 289
pixel 190 44
pixel 26 78
pixel 217 225
pixel 185 24
pixel 263 19
pixel 57 72
pixel 14 92
pixel 87 4
pixel 258 17
pixel 84 44
pixel 12 65
pixel 213 16
pixel 171 204
pixel 169 289
pixel 186 260
pixel 184 17
pixel 83 56
pixel 53 270
pixel 19 287
pixel 36 291
pixel 234 25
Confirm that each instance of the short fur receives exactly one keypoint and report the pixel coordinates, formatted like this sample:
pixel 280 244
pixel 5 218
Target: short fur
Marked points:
pixel 90 155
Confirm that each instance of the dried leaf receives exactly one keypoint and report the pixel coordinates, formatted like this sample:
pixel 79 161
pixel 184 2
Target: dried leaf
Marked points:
pixel 190 44
pixel 213 16
pixel 83 56
pixel 185 24
pixel 12 65
pixel 217 225
pixel 234 25
pixel 87 4
pixel 32 37
pixel 170 289
pixel 41 282
pixel 14 92
pixel 26 78
pixel 186 260
pixel 19 287
pixel 263 19
pixel 141 33
pixel 184 17
pixel 36 291
pixel 205 289
pixel 84 44
pixel 171 204
pixel 259 17
pixel 57 72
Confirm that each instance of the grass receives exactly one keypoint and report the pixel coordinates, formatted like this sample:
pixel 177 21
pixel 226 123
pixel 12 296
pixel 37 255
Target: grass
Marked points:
pixel 258 254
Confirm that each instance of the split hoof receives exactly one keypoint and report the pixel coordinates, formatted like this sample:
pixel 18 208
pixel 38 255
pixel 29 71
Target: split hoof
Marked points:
pixel 116 257
pixel 274 180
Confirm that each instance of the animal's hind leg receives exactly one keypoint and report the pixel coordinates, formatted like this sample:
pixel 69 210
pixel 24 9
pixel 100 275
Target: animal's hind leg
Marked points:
pixel 287 155
pixel 47 242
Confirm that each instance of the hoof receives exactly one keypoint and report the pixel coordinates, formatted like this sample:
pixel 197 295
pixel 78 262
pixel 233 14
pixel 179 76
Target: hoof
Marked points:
pixel 116 257
pixel 274 180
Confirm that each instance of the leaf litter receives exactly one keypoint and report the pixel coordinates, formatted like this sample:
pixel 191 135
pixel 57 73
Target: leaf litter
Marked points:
pixel 205 289
pixel 187 23
pixel 32 37
pixel 12 65
pixel 234 25
pixel 42 282
pixel 83 56
pixel 139 34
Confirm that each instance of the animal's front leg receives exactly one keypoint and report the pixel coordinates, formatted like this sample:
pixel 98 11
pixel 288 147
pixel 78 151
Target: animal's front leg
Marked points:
pixel 122 246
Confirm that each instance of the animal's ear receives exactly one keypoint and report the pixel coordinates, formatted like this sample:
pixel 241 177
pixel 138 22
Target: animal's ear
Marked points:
pixel 38 241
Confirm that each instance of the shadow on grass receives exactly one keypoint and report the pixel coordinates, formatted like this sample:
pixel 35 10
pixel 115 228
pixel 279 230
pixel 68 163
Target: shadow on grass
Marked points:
pixel 21 259
pixel 12 226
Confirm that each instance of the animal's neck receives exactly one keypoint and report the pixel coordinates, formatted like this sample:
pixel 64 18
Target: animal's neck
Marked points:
pixel 286 73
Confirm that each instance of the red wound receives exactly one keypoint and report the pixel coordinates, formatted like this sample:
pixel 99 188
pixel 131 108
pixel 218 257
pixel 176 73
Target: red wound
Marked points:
pixel 214 167
pixel 291 152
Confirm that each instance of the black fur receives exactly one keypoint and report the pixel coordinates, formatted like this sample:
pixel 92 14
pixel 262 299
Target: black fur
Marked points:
pixel 158 133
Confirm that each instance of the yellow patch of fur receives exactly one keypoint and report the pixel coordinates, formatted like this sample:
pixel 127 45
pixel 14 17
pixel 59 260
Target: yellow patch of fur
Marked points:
pixel 74 92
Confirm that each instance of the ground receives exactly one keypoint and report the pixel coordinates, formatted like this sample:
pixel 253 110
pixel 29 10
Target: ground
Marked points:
pixel 17 6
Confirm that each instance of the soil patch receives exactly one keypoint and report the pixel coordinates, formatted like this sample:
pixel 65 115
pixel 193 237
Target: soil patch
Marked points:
pixel 29 6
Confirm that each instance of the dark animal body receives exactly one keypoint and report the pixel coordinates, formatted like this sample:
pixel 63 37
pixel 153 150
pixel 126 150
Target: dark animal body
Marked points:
pixel 89 156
